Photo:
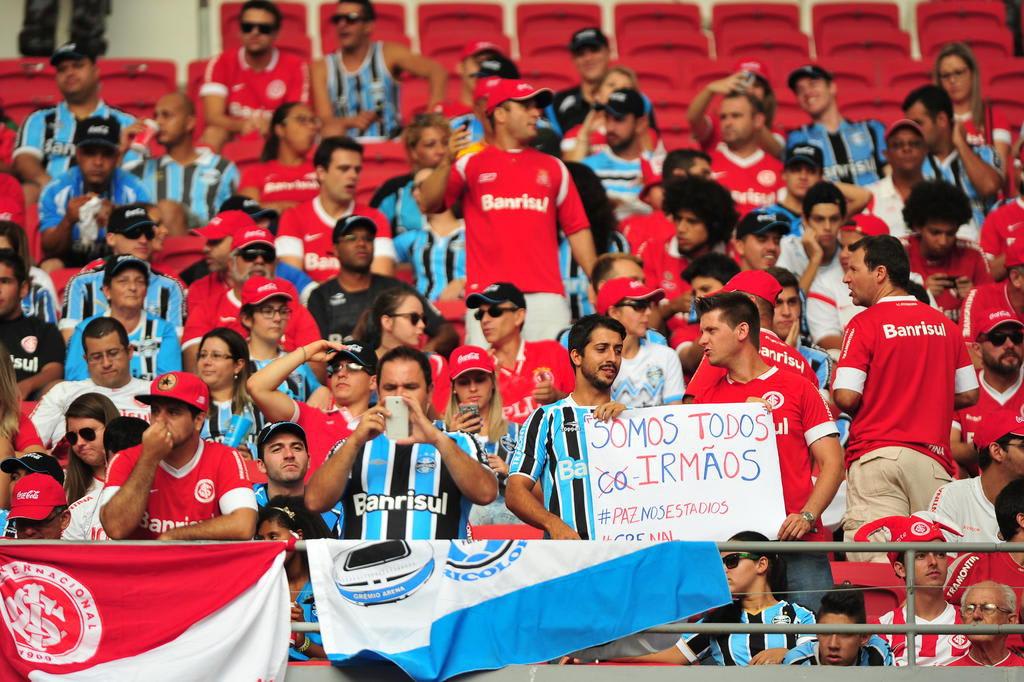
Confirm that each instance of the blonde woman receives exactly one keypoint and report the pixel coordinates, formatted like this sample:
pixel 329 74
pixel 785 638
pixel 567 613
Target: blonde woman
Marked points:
pixel 17 435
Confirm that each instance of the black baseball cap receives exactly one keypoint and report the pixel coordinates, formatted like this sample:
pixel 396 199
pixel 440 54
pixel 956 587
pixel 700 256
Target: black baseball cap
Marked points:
pixel 761 221
pixel 34 463
pixel 117 264
pixel 129 217
pixel 623 102
pixel 809 154
pixel 271 430
pixel 352 222
pixel 237 202
pixel 71 50
pixel 807 71
pixel 98 131
pixel 497 65
pixel 587 37
pixel 357 352
pixel 499 292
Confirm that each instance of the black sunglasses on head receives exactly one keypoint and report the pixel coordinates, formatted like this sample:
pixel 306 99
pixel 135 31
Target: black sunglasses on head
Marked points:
pixel 88 435
pixel 251 256
pixel 250 26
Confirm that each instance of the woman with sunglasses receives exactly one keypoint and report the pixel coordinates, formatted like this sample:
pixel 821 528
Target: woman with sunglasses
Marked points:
pixel 285 176
pixel 86 420
pixel 223 365
pixel 753 579
pixel 475 407
pixel 285 519
pixel 41 299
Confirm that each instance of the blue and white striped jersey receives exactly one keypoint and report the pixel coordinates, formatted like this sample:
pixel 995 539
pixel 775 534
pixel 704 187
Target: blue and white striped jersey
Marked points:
pixel 307 603
pixel 395 200
pixel 299 385
pixel 201 186
pixel 575 279
pixel 738 649
pixel 83 297
pixel 622 180
pixel 332 517
pixel 370 88
pixel 875 652
pixel 951 170
pixel 435 260
pixel 855 153
pixel 39 302
pixel 156 350
pixel 48 134
pixel 218 424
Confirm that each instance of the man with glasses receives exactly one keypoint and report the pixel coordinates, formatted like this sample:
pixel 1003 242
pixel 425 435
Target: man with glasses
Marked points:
pixel 241 88
pixel 906 151
pixel 989 603
pixel 75 206
pixel 130 232
pixel 154 341
pixel 337 303
pixel 35 346
pixel 515 200
pixel 530 373
pixel 108 356
pixel 356 88
pixel 39 508
pixel 175 485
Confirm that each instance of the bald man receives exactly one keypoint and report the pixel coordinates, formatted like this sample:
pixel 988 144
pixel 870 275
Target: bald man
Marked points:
pixel 189 184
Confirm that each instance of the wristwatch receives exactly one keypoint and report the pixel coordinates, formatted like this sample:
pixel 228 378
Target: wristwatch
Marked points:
pixel 808 517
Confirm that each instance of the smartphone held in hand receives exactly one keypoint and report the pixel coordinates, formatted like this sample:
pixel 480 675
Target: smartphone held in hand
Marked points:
pixel 396 426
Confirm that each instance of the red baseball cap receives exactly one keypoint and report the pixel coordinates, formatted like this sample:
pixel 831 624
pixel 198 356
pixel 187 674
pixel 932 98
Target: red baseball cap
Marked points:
pixel 478 46
pixel 995 316
pixel 901 123
pixel 997 424
pixel 225 224
pixel 35 496
pixel 250 236
pixel 468 359
pixel 12 209
pixel 1015 253
pixel 867 225
pixel 259 289
pixel 754 66
pixel 922 526
pixel 183 386
pixel 756 283
pixel 517 91
pixel 614 291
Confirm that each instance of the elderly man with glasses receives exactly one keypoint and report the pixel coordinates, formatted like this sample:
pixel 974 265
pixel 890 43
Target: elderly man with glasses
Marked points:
pixel 989 603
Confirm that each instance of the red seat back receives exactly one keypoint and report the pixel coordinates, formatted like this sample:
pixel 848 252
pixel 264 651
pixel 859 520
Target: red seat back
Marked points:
pixel 566 18
pixel 640 17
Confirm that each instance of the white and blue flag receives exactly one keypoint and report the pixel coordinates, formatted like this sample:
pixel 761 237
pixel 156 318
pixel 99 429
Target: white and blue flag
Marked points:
pixel 438 609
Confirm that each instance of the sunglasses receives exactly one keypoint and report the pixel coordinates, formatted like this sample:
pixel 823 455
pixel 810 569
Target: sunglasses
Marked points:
pixel 251 256
pixel 999 338
pixel 350 367
pixel 492 312
pixel 88 435
pixel 137 231
pixel 637 305
pixel 265 29
pixel 350 18
pixel 733 560
pixel 414 318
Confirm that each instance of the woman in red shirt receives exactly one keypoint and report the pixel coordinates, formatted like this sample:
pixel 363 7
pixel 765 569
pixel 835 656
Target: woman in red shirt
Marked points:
pixel 17 435
pixel 285 176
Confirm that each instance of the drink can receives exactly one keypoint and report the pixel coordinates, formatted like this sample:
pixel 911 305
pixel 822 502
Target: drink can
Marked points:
pixel 142 139
pixel 238 430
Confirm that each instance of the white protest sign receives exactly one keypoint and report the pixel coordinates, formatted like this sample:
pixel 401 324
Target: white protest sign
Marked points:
pixel 685 472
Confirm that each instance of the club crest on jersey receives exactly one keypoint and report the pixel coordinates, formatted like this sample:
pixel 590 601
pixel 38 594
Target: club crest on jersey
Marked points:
pixel 767 177
pixel 204 491
pixel 774 399
pixel 276 89
pixel 654 374
pixel 30 343
pixel 920 528
pixel 167 382
pixel 425 463
pixel 782 619
pixel 570 427
pixel 543 179
pixel 960 642
pixel 338 299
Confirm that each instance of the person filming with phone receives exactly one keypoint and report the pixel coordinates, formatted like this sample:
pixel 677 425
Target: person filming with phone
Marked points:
pixel 400 476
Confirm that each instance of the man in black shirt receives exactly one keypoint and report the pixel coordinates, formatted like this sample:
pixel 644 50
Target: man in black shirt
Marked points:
pixel 591 56
pixel 337 303
pixel 36 347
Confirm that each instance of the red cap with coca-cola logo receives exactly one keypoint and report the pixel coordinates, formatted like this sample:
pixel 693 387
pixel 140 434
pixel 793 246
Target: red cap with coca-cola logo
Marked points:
pixel 615 291
pixel 259 289
pixel 252 236
pixel 996 425
pixel 467 359
pixel 182 386
pixel 225 224
pixel 995 316
pixel 35 496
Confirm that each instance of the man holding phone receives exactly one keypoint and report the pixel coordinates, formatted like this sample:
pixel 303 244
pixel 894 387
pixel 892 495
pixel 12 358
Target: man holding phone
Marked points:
pixel 398 475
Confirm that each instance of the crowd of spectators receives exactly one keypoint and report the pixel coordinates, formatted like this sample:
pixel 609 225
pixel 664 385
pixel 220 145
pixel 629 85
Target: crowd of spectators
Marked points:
pixel 546 260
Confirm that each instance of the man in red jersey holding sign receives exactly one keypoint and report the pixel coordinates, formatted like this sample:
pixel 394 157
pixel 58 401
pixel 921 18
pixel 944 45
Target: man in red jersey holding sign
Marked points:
pixel 176 486
pixel 514 199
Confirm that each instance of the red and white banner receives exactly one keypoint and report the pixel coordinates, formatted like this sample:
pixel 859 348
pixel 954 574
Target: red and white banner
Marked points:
pixel 173 612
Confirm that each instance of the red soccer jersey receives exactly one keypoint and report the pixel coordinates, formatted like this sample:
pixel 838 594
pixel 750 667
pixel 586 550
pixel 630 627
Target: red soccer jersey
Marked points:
pixel 775 352
pixel 514 202
pixel 204 293
pixel 989 401
pixel 186 496
pixel 754 181
pixel 664 265
pixel 536 361
pixel 1012 660
pixel 249 92
pixel 907 361
pixel 970 569
pixel 12 197
pixel 638 229
pixel 1001 226
pixel 801 417
pixel 323 431
pixel 931 649
pixel 300 330
pixel 306 232
pixel 277 182
pixel 965 260
pixel 441 381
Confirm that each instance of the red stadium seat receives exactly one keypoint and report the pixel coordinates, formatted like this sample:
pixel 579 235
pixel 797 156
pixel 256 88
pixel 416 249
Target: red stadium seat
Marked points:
pixel 851 73
pixel 655 72
pixel 989 45
pixel 293 21
pixel 60 278
pixel 1003 73
pixel 24 80
pixel 466 19
pixel 639 17
pixel 700 72
pixel 564 17
pixel 513 531
pixel 447 47
pixel 18 108
pixel 179 253
pixel 834 19
pixel 550 43
pixel 866 43
pixel 765 45
pixel 881 587
pixel 669 45
pixel 860 104
pixel 669 105
pixel 389 24
pixel 413 95
pixel 746 18
pixel 381 161
pixel 548 73
pixel 676 135
pixel 135 84
pixel 1007 98
pixel 244 151
pixel 968 17
pixel 788 114
pixel 904 76
pixel 193 80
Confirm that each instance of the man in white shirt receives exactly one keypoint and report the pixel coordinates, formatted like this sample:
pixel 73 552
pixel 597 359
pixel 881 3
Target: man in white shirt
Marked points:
pixel 969 502
pixel 816 251
pixel 108 355
pixel 905 152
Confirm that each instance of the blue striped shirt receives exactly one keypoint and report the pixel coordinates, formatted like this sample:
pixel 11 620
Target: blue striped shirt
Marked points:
pixel 369 88
pixel 738 649
pixel 155 345
pixel 307 603
pixel 39 302
pixel 951 170
pixel 435 260
pixel 855 153
pixel 395 200
pixel 552 450
pixel 299 385
pixel 575 280
pixel 218 424
pixel 623 181
pixel 201 186
pixel 48 134
pixel 83 297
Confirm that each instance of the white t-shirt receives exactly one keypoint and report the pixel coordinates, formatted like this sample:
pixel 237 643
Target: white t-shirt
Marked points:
pixel 829 306
pixel 793 257
pixel 48 417
pixel 653 377
pixel 85 516
pixel 964 503
pixel 888 206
